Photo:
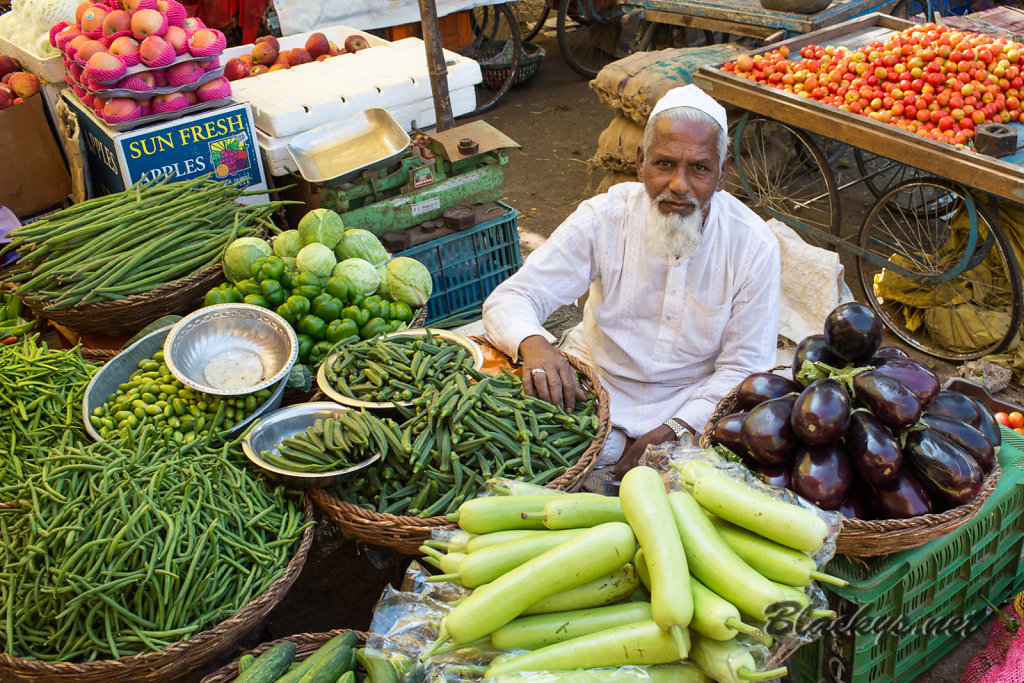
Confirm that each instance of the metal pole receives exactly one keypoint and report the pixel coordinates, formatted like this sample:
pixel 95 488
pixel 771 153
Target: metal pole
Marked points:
pixel 435 65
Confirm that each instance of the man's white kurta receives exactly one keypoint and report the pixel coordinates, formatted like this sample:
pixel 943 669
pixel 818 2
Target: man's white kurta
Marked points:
pixel 669 337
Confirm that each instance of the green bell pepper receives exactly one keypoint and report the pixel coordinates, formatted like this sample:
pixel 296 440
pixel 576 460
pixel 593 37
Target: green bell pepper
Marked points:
pixel 372 304
pixel 340 329
pixel 341 287
pixel 222 294
pixel 374 327
pixel 305 346
pixel 288 313
pixel 319 352
pixel 287 279
pixel 247 287
pixel 401 311
pixel 273 292
pixel 313 326
pixel 271 268
pixel 299 304
pixel 327 309
pixel 309 291
pixel 257 300
pixel 359 315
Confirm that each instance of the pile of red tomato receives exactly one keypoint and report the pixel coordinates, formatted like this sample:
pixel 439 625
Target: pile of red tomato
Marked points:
pixel 1014 421
pixel 931 80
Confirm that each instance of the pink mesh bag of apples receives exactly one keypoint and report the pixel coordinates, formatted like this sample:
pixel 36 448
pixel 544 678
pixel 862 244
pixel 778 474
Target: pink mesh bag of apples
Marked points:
pixel 1002 658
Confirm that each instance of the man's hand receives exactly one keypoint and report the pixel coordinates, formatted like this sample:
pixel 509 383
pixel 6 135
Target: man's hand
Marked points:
pixel 547 374
pixel 631 456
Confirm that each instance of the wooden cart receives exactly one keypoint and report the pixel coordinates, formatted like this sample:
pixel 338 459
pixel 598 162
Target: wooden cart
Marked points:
pixel 932 229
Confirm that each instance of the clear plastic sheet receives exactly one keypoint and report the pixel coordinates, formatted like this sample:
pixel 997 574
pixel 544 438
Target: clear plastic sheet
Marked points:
pixel 511 487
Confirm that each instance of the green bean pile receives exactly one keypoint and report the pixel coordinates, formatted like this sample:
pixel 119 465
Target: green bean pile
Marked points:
pixel 120 548
pixel 152 394
pixel 40 400
pixel 396 368
pixel 130 242
pixel 332 444
pixel 457 436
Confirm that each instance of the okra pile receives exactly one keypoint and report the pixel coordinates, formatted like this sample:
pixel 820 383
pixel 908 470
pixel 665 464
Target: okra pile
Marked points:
pixel 332 443
pixel 123 547
pixel 460 433
pixel 154 395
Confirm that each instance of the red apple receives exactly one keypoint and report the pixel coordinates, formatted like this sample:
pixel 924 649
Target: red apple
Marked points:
pixel 88 49
pixel 86 5
pixel 354 43
pixel 124 45
pixel 93 18
pixel 269 39
pixel 264 53
pixel 193 24
pixel 8 65
pixel 5 100
pixel 147 22
pixel 298 56
pixel 105 61
pixel 120 106
pixel 213 85
pixel 184 68
pixel 152 48
pixel 259 69
pixel 192 97
pixel 203 38
pixel 317 45
pixel 24 84
pixel 147 77
pixel 235 69
pixel 176 36
pixel 247 60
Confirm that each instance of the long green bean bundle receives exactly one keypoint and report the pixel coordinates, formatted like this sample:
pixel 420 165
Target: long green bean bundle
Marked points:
pixel 130 242
pixel 119 548
pixel 40 400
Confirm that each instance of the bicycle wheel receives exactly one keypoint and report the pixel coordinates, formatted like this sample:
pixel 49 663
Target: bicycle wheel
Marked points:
pixel 497 46
pixel 784 175
pixel 531 15
pixel 933 288
pixel 589 34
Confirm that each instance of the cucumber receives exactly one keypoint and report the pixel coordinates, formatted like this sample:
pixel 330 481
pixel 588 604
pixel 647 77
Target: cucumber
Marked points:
pixel 346 640
pixel 270 665
pixel 327 670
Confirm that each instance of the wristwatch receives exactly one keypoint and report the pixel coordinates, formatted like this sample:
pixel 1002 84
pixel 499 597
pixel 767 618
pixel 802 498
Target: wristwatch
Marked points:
pixel 679 428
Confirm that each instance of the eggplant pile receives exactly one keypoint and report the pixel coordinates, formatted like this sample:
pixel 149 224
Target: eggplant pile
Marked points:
pixel 861 428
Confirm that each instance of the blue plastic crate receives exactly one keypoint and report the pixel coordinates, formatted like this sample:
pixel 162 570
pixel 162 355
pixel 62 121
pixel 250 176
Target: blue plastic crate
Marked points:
pixel 467 266
pixel 944 582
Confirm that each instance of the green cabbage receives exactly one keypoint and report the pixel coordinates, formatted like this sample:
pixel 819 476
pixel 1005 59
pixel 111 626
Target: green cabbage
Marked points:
pixel 241 254
pixel 362 244
pixel 287 243
pixel 317 259
pixel 382 273
pixel 322 226
pixel 290 263
pixel 408 280
pixel 362 274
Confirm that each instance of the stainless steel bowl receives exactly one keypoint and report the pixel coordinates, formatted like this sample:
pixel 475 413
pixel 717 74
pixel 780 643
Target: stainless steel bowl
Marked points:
pixel 267 433
pixel 231 349
pixel 332 393
pixel 118 369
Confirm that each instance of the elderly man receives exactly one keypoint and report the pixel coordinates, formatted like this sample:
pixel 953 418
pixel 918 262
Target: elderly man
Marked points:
pixel 683 282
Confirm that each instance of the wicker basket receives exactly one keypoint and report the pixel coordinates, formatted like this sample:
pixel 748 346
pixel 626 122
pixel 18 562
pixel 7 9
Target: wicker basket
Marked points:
pixel 871 538
pixel 305 645
pixel 495 57
pixel 406 534
pixel 175 661
pixel 131 314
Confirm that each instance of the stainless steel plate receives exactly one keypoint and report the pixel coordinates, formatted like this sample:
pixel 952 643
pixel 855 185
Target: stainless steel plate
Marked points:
pixel 332 393
pixel 231 349
pixel 267 433
pixel 343 149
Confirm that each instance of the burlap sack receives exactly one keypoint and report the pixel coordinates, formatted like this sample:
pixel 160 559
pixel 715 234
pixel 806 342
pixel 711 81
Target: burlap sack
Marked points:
pixel 633 85
pixel 617 146
pixel 602 180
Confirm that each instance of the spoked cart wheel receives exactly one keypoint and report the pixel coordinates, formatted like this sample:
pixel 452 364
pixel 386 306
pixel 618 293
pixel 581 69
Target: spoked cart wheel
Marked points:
pixel 497 46
pixel 531 16
pixel 940 272
pixel 589 34
pixel 880 174
pixel 784 175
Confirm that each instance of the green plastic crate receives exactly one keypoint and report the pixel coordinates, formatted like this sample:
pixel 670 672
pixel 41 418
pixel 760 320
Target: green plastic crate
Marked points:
pixel 933 588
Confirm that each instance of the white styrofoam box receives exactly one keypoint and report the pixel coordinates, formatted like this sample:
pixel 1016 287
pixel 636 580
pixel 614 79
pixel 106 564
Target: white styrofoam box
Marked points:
pixel 49 69
pixel 418 114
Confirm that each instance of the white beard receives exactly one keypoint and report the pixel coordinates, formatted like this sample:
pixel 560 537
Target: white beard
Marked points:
pixel 671 235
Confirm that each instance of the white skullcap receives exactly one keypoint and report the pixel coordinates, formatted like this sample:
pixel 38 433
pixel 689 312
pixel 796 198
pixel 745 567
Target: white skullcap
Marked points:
pixel 691 96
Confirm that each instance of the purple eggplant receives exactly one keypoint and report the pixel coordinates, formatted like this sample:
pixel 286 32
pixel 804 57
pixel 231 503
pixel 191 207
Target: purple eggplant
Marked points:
pixel 918 377
pixel 874 454
pixel 774 475
pixel 886 353
pixel 957 406
pixel 889 399
pixel 821 413
pixel 767 432
pixel 900 497
pixel 763 386
pixel 970 439
pixel 989 427
pixel 726 432
pixel 854 506
pixel 853 332
pixel 949 474
pixel 814 349
pixel 822 474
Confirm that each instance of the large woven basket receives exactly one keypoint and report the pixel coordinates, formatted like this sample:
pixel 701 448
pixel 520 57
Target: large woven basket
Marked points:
pixel 305 645
pixel 874 537
pixel 175 661
pixel 131 314
pixel 406 534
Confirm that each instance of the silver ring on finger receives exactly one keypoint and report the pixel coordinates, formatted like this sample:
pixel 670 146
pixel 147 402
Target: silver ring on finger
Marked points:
pixel 537 371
